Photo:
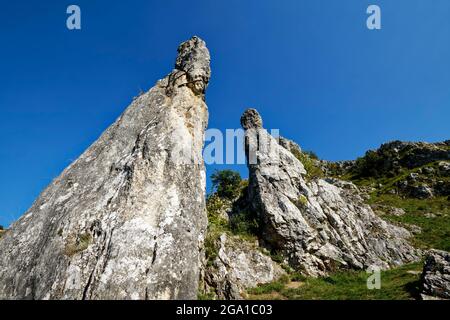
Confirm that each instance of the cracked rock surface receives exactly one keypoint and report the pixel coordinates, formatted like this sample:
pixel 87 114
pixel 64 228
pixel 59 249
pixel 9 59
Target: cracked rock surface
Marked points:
pixel 127 219
pixel 239 265
pixel 436 275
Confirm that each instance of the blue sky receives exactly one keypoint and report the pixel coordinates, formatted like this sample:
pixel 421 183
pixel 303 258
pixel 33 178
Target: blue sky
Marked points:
pixel 310 67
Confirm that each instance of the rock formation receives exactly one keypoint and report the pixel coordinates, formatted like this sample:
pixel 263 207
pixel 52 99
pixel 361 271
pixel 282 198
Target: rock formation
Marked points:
pixel 318 225
pixel 422 169
pixel 239 265
pixel 127 219
pixel 436 275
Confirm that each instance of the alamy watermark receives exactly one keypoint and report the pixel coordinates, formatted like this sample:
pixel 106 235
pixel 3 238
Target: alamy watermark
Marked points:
pixel 374 20
pixel 73 21
pixel 234 146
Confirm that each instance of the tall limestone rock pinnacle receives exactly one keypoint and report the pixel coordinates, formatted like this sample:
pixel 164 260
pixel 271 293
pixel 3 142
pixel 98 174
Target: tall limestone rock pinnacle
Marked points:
pixel 127 219
pixel 318 225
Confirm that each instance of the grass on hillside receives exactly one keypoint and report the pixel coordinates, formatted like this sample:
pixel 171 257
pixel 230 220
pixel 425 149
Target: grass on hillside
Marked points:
pixel 431 215
pixel 402 283
pixel 397 284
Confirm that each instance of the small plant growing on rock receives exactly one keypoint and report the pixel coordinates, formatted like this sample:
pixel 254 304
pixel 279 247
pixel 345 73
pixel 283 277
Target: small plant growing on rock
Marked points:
pixel 81 244
pixel 301 202
pixel 309 159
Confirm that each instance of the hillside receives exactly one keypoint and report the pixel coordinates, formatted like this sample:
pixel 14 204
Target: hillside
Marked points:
pixel 405 183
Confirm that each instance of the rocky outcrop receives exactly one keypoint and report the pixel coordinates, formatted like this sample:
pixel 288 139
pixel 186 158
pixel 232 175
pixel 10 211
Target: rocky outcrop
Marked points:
pixel 436 275
pixel 239 265
pixel 413 154
pixel 418 169
pixel 318 225
pixel 127 219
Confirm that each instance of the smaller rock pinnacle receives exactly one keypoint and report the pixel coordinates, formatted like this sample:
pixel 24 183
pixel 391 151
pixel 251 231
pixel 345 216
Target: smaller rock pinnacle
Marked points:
pixel 251 119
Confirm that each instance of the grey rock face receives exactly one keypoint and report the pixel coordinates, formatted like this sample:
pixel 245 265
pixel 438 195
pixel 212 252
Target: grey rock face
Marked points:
pixel 239 266
pixel 289 145
pixel 318 225
pixel 127 219
pixel 421 192
pixel 444 168
pixel 436 275
pixel 412 154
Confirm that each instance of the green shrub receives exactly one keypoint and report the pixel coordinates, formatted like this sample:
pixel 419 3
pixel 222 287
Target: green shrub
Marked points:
pixel 227 183
pixel 308 160
pixel 214 206
pixel 206 296
pixel 244 223
pixel 311 154
pixel 369 166
pixel 301 202
pixel 216 226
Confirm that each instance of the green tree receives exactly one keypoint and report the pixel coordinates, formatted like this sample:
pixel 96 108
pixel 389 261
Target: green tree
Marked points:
pixel 226 183
pixel 370 165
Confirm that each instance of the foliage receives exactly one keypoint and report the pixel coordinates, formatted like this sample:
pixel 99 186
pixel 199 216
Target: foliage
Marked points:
pixel 244 223
pixel 216 226
pixel 226 183
pixel 369 166
pixel 311 154
pixel 308 159
pixel 302 201
pixel 396 284
pixel 205 295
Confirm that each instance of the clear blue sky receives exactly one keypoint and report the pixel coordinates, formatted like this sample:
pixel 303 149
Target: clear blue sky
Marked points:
pixel 311 68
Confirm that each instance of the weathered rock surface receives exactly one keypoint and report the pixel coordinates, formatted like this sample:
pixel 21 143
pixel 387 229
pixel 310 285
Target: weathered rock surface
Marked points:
pixel 436 275
pixel 427 163
pixel 397 154
pixel 318 225
pixel 127 219
pixel 239 265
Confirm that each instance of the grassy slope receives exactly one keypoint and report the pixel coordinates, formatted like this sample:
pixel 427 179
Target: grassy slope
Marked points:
pixel 397 284
pixel 431 215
